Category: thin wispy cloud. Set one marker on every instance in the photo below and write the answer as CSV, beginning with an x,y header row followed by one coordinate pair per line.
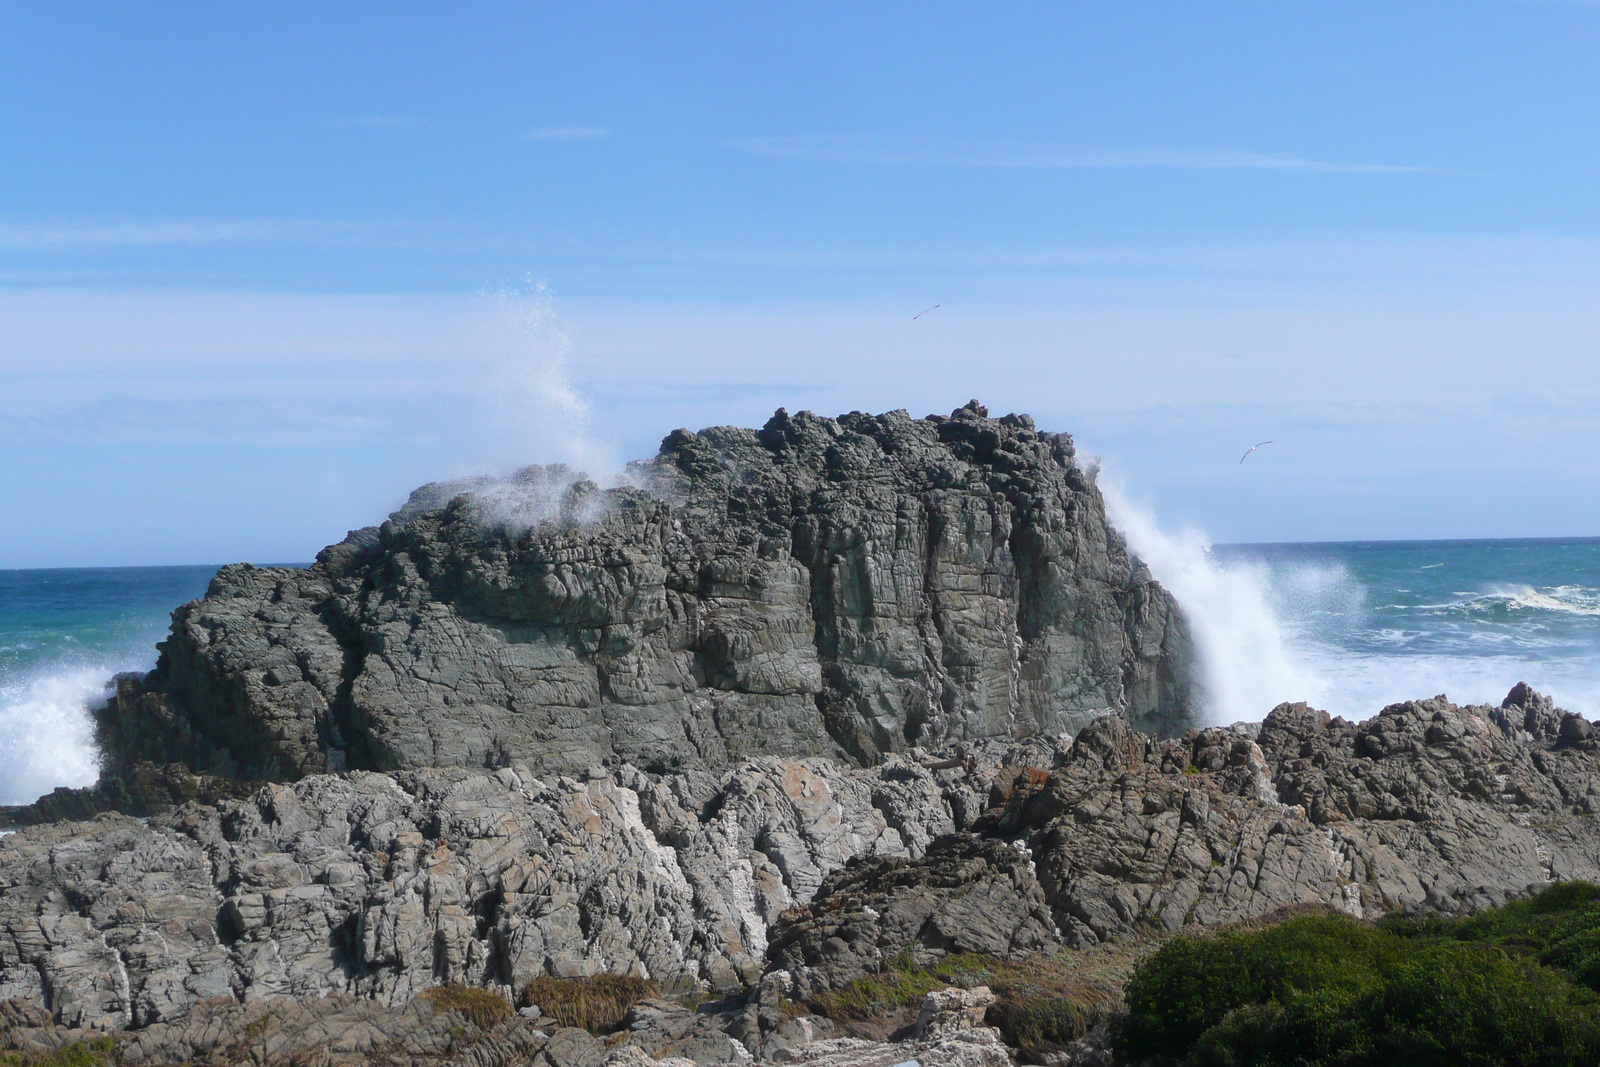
x,y
175,232
565,133
943,152
377,122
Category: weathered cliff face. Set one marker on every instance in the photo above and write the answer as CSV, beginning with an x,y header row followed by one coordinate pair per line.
x,y
381,885
844,587
1427,806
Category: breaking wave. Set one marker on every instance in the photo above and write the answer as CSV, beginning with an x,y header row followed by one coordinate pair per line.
x,y
1354,628
1503,599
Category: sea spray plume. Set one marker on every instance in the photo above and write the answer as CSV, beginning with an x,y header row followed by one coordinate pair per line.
x,y
535,495
524,407
1246,663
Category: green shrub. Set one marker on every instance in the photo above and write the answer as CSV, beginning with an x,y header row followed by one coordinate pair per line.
x,y
1564,897
97,1052
1192,984
598,1004
1505,987
1560,927
1578,954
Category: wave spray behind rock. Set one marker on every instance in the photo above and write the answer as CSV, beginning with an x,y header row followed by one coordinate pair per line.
x,y
524,421
1247,663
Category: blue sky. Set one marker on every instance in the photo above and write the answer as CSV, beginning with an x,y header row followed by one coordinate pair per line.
x,y
262,269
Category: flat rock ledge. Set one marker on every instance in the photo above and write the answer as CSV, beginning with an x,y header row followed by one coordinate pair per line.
x,y
343,897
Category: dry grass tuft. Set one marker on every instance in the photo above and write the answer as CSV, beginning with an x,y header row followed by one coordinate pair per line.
x,y
598,1004
479,1007
1044,1001
1033,779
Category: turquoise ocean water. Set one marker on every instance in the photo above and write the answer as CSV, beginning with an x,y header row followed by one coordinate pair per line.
x,y
1349,627
1364,624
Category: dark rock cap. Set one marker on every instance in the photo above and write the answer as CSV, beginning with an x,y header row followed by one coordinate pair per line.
x,y
851,586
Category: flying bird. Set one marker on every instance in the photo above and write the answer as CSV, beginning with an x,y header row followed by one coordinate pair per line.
x,y
924,311
1251,449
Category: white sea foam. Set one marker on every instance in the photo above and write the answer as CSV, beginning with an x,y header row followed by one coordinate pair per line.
x,y
1292,630
46,735
1564,599
1571,599
1289,630
1247,660
1359,686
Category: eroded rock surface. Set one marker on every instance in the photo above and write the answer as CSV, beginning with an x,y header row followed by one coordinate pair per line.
x,y
384,885
965,894
845,587
1427,805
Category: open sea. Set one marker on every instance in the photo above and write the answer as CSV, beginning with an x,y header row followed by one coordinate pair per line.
x,y
1349,627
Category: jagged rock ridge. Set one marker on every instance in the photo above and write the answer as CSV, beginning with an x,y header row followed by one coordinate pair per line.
x,y
381,885
851,586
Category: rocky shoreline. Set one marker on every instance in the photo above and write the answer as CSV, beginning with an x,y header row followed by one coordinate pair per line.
x,y
825,702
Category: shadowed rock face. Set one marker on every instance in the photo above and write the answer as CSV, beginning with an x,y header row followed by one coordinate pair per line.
x,y
851,586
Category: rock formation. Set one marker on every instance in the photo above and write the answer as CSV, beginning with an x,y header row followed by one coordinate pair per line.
x,y
383,885
843,587
812,701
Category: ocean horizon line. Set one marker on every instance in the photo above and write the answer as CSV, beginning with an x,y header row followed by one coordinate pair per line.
x,y
1384,542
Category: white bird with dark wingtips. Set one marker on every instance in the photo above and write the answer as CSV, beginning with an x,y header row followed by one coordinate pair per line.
x,y
1251,449
924,311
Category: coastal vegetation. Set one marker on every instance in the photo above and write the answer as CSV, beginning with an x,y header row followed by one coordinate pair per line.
x,y
1043,1002
480,1007
1517,985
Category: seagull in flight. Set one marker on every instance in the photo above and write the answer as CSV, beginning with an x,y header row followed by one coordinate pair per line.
x,y
1251,449
924,311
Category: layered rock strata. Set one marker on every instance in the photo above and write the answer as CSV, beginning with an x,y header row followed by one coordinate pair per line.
x,y
1427,806
841,587
382,885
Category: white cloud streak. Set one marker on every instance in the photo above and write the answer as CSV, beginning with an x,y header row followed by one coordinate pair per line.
x,y
176,232
942,152
1414,407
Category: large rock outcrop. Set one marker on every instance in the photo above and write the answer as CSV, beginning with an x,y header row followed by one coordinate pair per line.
x,y
382,885
1427,807
851,586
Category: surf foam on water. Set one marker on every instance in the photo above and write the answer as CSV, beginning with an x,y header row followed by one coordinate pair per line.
x,y
46,732
1570,599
